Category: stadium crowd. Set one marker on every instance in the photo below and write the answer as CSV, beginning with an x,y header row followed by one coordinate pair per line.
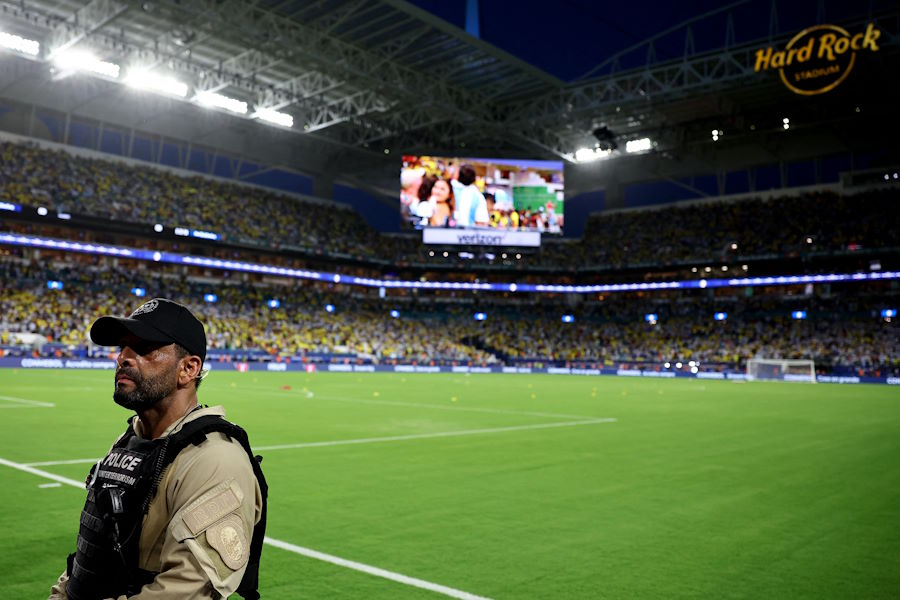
x,y
36,176
701,233
843,330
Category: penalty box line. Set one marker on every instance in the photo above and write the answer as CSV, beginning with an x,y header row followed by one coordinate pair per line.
x,y
300,550
375,440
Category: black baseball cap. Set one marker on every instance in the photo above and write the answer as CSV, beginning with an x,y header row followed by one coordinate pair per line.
x,y
157,320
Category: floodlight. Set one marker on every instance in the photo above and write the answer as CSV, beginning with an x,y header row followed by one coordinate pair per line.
x,y
638,145
154,82
273,303
568,318
480,316
395,314
329,308
798,314
158,228
210,298
273,116
54,285
651,318
19,44
583,155
224,102
82,60
720,316
139,292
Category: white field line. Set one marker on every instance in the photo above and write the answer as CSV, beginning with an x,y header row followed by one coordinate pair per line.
x,y
54,484
377,572
372,440
308,552
495,411
23,403
437,434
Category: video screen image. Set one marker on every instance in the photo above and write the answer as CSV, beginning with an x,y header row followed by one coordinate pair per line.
x,y
502,193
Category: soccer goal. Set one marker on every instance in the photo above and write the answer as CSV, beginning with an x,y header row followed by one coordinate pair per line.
x,y
781,369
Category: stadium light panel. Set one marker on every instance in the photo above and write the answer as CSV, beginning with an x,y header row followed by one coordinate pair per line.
x,y
153,82
888,313
212,99
798,314
568,318
480,316
639,145
395,314
720,316
84,61
273,303
329,308
16,43
139,292
273,116
54,285
584,155
210,298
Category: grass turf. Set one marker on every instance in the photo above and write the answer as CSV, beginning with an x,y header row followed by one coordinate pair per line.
x,y
699,489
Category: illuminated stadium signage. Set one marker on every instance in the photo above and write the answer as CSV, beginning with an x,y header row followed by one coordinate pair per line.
x,y
481,237
10,207
30,241
818,58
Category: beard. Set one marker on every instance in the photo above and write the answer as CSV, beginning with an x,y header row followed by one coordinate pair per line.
x,y
147,392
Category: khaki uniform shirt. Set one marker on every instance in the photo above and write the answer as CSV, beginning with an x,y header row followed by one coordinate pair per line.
x,y
198,527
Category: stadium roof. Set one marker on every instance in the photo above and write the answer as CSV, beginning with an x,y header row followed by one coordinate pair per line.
x,y
375,77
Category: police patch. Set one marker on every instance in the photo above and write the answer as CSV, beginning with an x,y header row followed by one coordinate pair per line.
x,y
211,510
228,539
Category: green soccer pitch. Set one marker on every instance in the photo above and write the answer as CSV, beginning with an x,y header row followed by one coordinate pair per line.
x,y
506,486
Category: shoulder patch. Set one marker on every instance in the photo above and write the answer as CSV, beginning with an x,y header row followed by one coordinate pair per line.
x,y
199,518
228,538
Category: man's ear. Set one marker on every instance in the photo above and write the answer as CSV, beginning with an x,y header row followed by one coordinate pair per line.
x,y
190,370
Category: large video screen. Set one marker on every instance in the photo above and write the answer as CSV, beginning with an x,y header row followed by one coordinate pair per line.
x,y
482,193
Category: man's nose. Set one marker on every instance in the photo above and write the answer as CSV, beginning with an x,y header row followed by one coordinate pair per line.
x,y
126,354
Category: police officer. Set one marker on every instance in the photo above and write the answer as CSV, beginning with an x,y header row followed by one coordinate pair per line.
x,y
177,507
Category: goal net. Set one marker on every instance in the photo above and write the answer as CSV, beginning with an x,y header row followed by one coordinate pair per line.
x,y
780,369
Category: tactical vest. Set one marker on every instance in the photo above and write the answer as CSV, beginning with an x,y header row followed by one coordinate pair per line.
x,y
120,488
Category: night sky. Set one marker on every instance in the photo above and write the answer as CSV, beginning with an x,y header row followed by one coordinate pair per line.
x,y
568,38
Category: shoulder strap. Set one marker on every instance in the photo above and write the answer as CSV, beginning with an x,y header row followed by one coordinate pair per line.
x,y
195,432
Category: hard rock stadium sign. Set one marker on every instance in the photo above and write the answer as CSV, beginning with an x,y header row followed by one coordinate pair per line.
x,y
817,59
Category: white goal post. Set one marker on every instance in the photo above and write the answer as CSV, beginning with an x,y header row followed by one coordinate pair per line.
x,y
781,369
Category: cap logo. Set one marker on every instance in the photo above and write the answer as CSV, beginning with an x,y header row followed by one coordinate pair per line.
x,y
145,308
